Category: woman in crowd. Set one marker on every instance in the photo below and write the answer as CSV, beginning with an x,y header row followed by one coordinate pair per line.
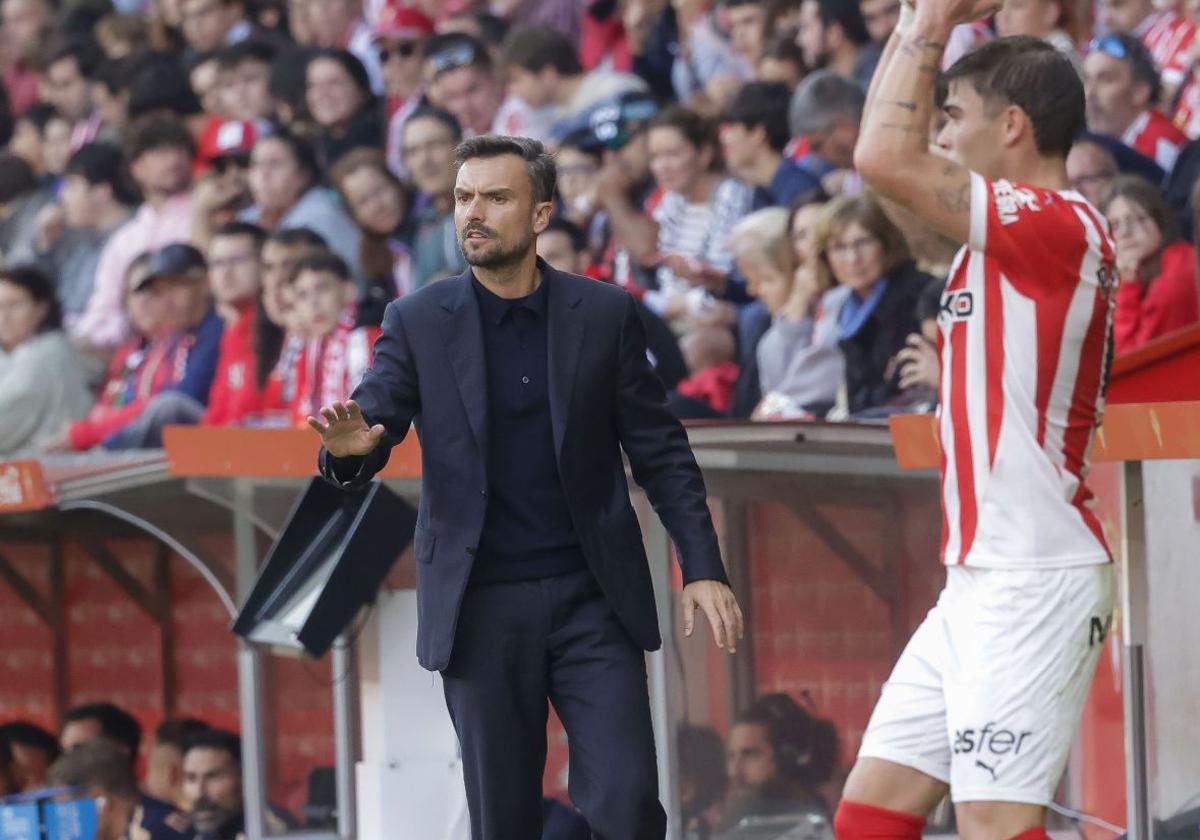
x,y
339,99
379,203
284,180
42,384
1157,271
699,206
861,249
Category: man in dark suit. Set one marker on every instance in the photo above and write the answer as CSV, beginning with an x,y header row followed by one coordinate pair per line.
x,y
524,384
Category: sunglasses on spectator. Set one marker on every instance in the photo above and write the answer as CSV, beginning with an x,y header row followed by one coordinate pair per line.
x,y
452,58
402,49
1110,45
224,163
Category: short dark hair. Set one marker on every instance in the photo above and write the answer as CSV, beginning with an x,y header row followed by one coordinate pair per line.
x,y
783,47
97,764
538,162
323,261
238,228
1033,75
216,739
847,15
561,224
441,115
158,131
83,49
178,732
805,746
24,733
16,177
251,49
39,115
115,74
116,723
538,46
102,163
301,151
158,82
38,286
763,104
289,237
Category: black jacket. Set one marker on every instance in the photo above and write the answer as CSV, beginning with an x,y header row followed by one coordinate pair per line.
x,y
604,398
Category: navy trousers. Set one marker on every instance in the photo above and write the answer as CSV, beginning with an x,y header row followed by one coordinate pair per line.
x,y
520,646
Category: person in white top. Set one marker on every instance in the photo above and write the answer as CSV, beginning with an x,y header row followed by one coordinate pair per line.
x,y
986,697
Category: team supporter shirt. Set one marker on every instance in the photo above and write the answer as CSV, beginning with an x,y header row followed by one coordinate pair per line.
x,y
1024,334
235,394
1168,36
1156,137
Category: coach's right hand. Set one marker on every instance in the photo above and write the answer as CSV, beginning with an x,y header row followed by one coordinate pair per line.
x,y
344,432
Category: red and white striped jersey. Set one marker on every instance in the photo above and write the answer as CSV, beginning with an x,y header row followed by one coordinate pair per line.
x,y
1168,36
1024,339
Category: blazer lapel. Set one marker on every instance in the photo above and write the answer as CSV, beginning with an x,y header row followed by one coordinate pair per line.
x,y
463,333
564,338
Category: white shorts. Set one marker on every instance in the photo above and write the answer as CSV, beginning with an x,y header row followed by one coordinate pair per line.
x,y
987,695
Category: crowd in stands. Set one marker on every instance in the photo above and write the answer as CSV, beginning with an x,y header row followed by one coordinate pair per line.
x,y
206,205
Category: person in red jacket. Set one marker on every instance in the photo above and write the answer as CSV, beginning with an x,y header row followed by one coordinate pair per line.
x,y
1157,292
233,274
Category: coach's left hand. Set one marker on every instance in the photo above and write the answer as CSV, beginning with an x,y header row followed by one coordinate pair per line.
x,y
718,603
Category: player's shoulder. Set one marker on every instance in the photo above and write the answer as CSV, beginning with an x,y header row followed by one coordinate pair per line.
x,y
1018,201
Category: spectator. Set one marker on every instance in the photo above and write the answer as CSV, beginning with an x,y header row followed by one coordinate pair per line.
x,y
122,35
544,71
706,71
698,208
833,36
212,783
211,24
430,136
33,751
204,77
21,199
104,772
284,180
94,202
711,358
164,769
336,353
462,80
1122,87
578,160
747,24
159,86
110,92
246,68
341,103
68,63
1166,34
23,28
1095,161
702,777
29,135
861,248
778,756
379,203
159,153
33,406
223,167
800,366
233,276
781,61
754,134
1045,19
178,273
340,24
399,33
826,111
95,721
881,17
1157,271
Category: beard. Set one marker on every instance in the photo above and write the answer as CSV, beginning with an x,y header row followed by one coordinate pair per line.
x,y
493,252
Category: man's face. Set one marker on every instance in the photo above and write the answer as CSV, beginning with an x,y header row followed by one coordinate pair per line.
x,y
1027,17
810,36
319,298
972,134
31,767
212,785
534,89
554,246
78,202
1113,100
399,64
67,89
166,170
1091,170
164,773
78,732
747,24
634,156
428,148
275,179
740,145
329,21
247,93
470,95
23,22
232,269
881,17
186,299
750,758
209,85
146,307
495,214
1124,15
206,22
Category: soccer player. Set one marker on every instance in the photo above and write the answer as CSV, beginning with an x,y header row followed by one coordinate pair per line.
x,y
986,697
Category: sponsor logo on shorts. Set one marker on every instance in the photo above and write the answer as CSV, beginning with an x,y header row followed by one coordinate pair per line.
x,y
1098,630
991,740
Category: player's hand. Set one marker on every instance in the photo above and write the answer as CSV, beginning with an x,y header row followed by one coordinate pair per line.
x,y
344,432
718,603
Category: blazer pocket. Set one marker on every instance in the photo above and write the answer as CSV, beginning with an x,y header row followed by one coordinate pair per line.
x,y
424,541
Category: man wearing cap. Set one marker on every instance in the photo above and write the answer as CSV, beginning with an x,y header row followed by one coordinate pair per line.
x,y
222,161
179,274
398,37
462,80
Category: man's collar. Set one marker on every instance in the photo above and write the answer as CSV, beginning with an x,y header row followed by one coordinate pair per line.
x,y
494,308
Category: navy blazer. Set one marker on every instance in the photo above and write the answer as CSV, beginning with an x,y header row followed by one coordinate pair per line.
x,y
429,371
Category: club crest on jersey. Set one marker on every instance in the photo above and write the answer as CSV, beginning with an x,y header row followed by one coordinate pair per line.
x,y
1010,201
956,306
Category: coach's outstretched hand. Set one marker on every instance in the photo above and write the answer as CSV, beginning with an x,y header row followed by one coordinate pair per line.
x,y
717,601
344,430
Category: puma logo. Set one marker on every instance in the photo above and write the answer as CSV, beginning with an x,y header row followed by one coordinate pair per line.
x,y
991,770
